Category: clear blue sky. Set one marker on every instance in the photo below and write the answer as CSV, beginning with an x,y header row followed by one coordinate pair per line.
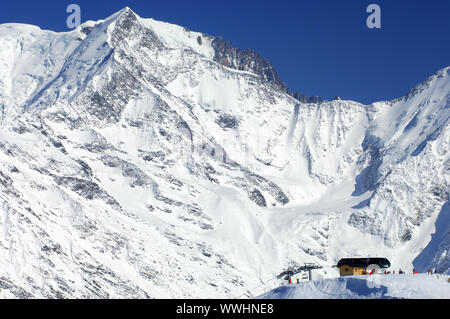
x,y
319,47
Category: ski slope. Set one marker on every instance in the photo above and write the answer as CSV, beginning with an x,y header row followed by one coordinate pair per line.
x,y
380,286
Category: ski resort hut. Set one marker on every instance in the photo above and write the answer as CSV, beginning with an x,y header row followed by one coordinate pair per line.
x,y
358,266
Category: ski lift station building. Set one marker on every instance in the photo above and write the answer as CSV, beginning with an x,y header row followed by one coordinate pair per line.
x,y
359,266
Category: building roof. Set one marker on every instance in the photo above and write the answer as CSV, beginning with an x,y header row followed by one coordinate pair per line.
x,y
364,262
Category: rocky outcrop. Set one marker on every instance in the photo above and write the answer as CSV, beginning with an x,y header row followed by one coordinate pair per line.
x,y
249,60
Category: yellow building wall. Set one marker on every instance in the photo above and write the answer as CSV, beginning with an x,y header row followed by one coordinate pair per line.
x,y
346,270
359,271
350,271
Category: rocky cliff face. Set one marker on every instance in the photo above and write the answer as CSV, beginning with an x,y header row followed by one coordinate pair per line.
x,y
135,164
249,60
246,60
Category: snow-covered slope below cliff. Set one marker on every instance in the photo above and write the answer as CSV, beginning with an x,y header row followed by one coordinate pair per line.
x,y
132,164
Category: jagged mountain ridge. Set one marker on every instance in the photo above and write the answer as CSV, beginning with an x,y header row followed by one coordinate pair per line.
x,y
250,60
135,165
223,52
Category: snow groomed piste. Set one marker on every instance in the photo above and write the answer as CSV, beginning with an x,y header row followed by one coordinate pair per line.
x,y
379,286
360,278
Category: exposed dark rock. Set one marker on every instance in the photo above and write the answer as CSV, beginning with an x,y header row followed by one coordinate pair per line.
x,y
406,236
18,292
86,189
249,60
305,99
246,60
86,169
258,198
87,30
227,121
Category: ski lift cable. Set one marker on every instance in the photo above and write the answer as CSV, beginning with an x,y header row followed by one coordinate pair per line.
x,y
276,277
250,290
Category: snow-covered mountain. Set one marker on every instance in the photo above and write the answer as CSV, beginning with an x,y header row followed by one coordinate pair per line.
x,y
140,159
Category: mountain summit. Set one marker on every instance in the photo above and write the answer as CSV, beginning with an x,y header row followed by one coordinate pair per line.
x,y
140,159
